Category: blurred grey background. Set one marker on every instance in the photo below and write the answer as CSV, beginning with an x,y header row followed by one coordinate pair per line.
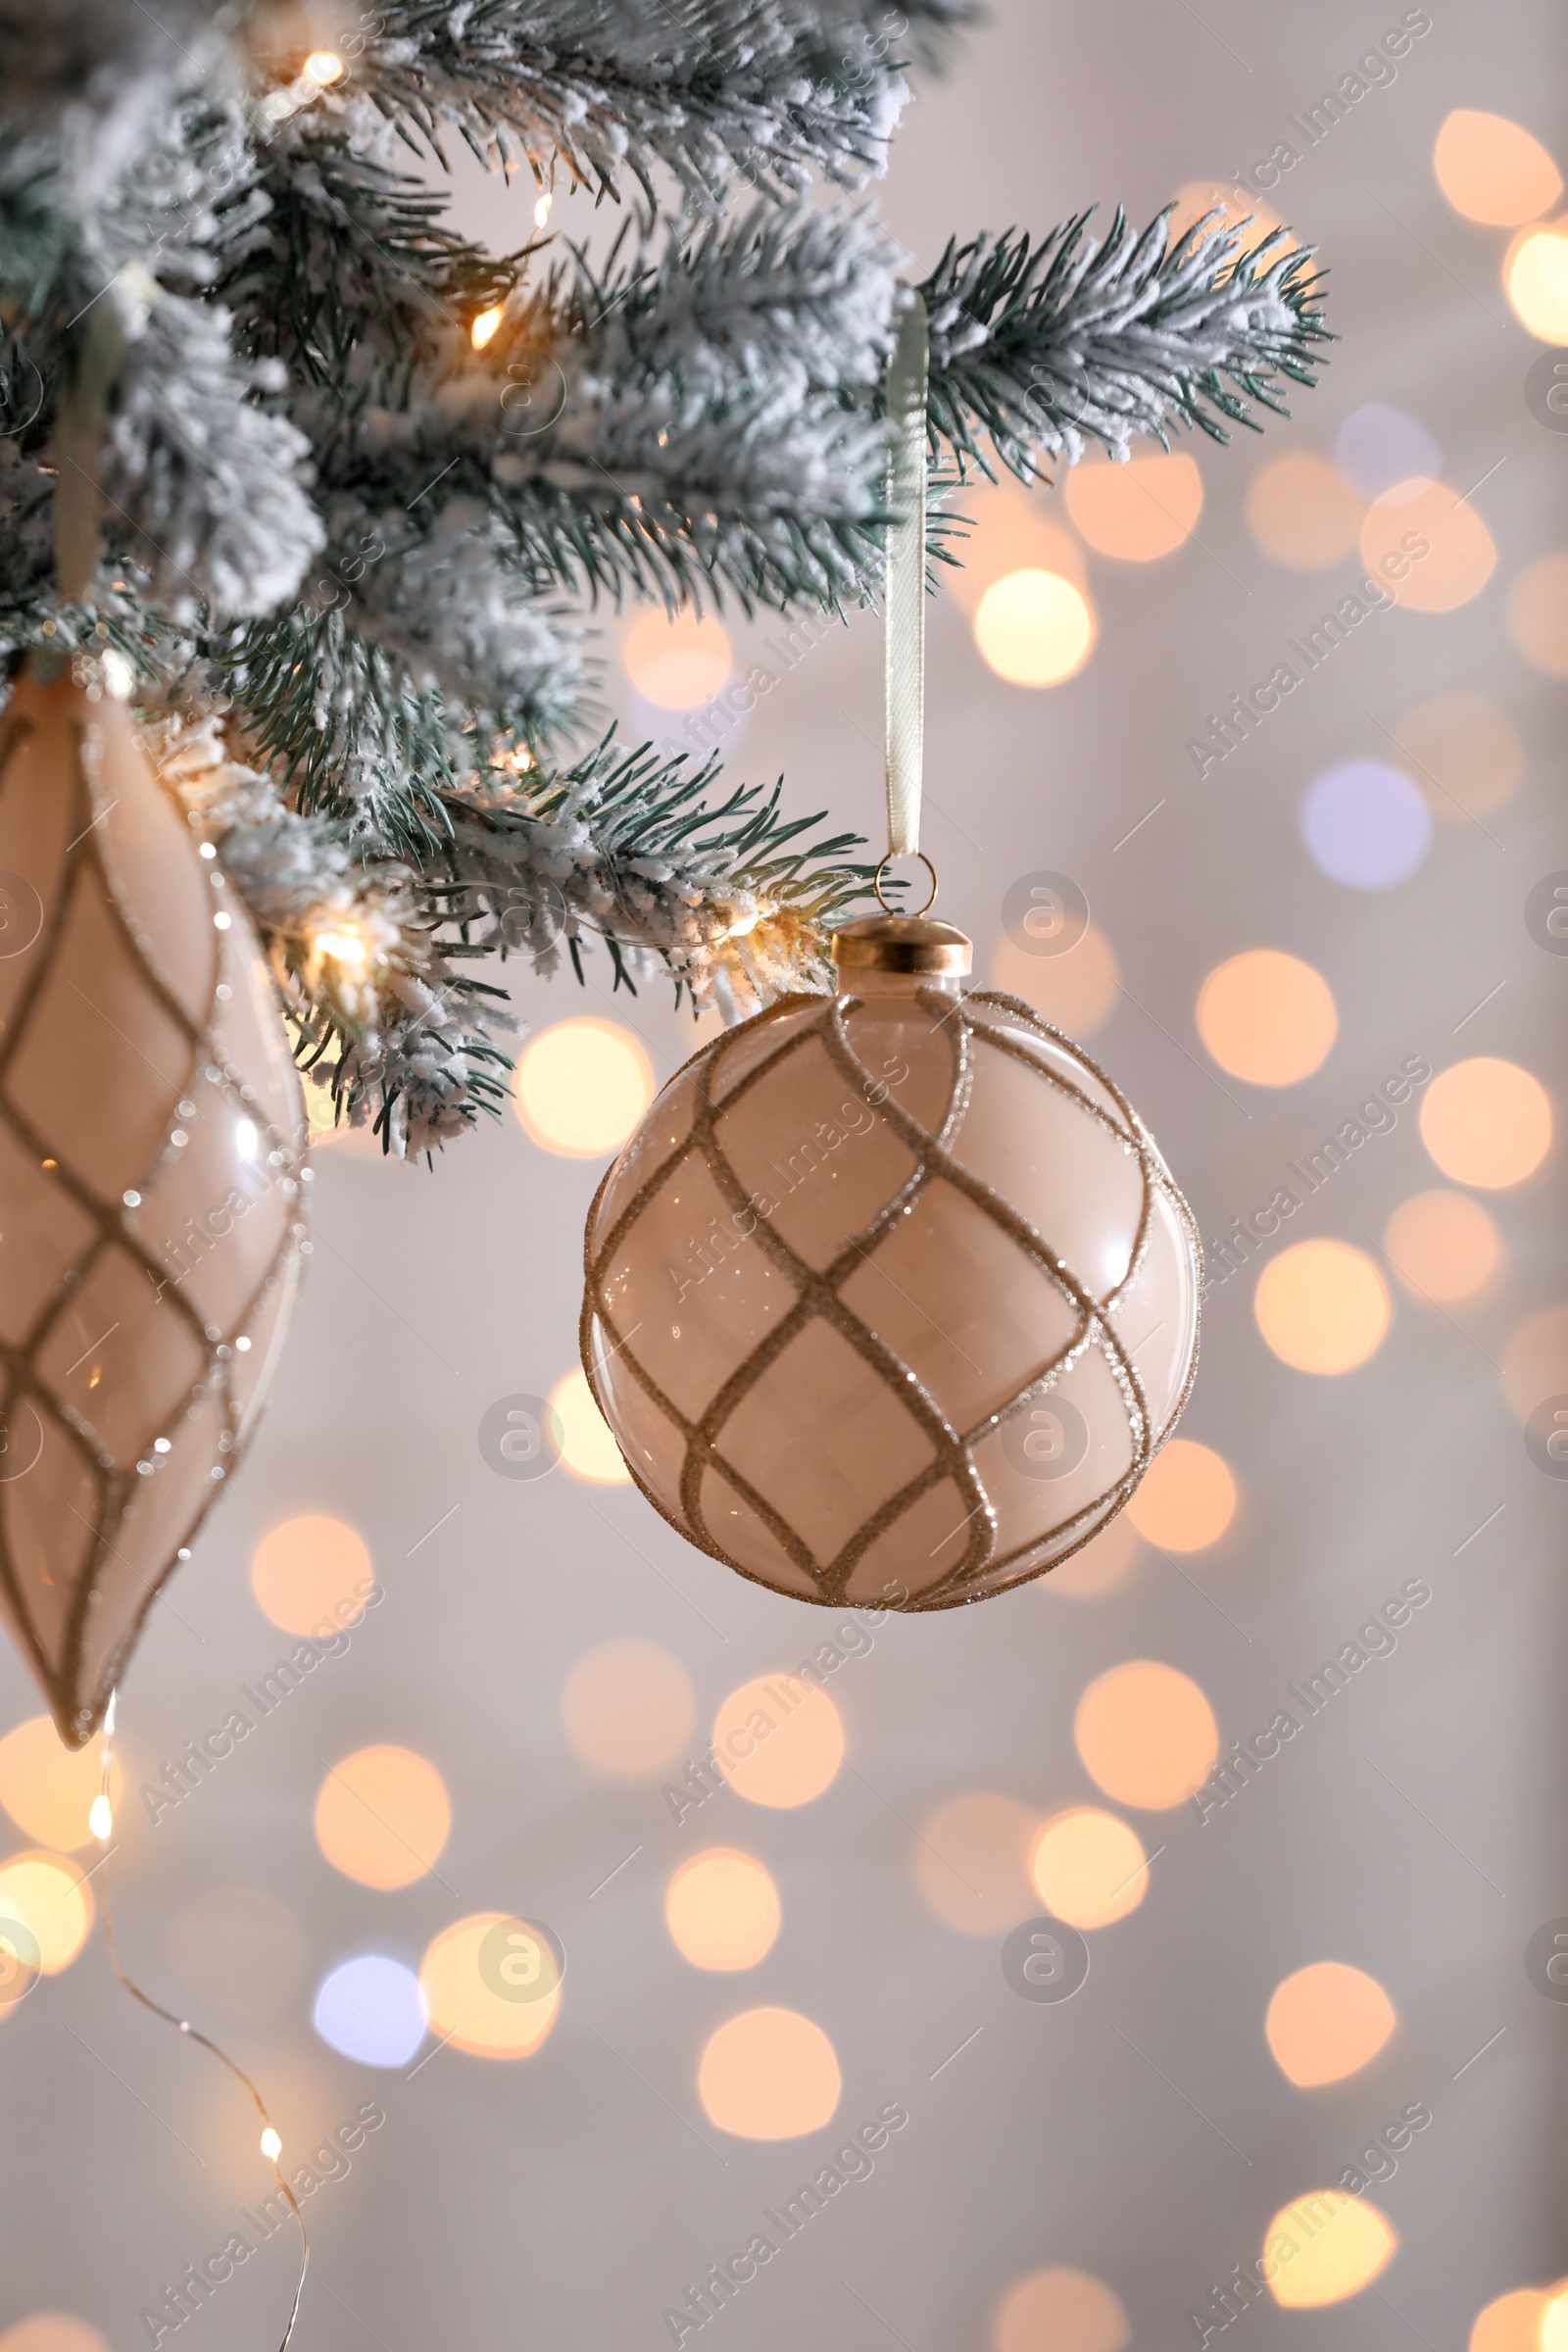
x,y
1140,2134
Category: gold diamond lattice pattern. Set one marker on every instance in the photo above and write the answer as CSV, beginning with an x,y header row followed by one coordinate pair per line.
x,y
151,1146
891,1297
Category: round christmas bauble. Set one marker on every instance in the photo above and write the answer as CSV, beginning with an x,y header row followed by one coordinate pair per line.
x,y
891,1298
151,1137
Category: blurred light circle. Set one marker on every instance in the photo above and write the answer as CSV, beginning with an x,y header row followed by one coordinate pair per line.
x,y
1008,533
1059,2311
52,2331
371,2010
1538,613
47,1788
1322,1306
1077,992
1138,511
238,1949
1552,2325
1187,1500
1463,752
1366,825
49,1895
1089,1867
1339,2245
1267,1017
628,1708
382,1816
779,1742
1492,170
1460,554
1301,511
581,1086
1146,1735
587,1446
312,1575
1380,449
1512,2323
1536,280
1103,1566
769,2073
1487,1123
678,663
1326,2022
971,1862
723,1910
468,2005
1195,199
1034,629
1443,1245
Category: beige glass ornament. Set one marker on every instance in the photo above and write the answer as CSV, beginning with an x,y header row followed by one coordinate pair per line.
x,y
151,1141
891,1297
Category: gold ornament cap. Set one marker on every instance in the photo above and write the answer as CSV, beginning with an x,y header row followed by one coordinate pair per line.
x,y
902,942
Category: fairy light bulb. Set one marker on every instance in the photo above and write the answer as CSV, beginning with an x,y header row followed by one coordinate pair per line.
x,y
344,946
101,1818
484,327
324,67
272,2145
541,211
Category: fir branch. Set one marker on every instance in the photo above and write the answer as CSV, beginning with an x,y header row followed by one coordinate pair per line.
x,y
1072,340
777,89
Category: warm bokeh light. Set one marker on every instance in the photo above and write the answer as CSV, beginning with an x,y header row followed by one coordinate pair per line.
x,y
1461,555
1487,1123
1443,1245
324,67
1103,1565
769,2073
484,326
1322,1306
1326,2022
1138,510
1059,2311
48,1895
1538,613
1267,1017
1492,170
1187,1500
780,1741
587,1443
371,2010
1534,1360
52,2331
1510,2324
1463,752
1552,2325
1077,992
382,1816
1341,2244
312,1575
1302,513
581,1086
48,1789
971,1862
1089,1867
1008,532
679,662
628,1708
1034,629
1146,1735
472,2004
1534,277
723,1910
